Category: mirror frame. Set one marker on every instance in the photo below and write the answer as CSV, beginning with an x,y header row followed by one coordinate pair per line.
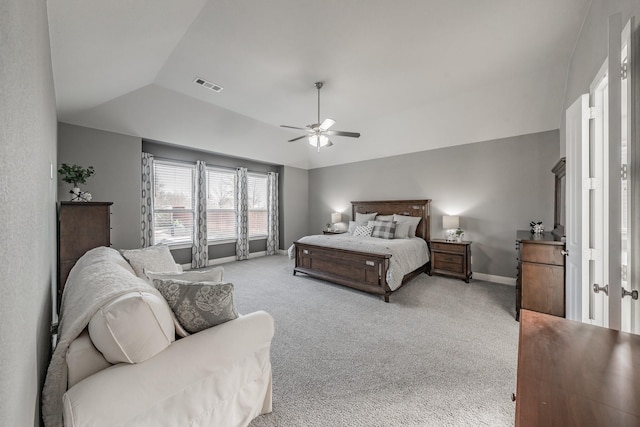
x,y
559,205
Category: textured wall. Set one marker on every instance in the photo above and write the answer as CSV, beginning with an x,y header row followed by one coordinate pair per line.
x,y
27,207
116,160
496,187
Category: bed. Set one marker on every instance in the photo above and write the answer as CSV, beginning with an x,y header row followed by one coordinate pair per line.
x,y
362,270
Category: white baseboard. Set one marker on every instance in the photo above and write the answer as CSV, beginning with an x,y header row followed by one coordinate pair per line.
x,y
511,281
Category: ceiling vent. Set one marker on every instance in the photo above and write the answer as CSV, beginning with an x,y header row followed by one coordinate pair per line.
x,y
207,84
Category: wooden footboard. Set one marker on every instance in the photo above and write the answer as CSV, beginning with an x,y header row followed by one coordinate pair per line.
x,y
359,270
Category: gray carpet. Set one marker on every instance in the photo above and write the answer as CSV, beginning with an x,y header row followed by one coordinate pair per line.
x,y
441,353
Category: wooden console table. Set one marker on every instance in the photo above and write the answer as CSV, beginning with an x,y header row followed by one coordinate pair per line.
x,y
574,374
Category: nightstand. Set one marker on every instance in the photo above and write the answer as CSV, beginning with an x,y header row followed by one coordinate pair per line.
x,y
332,232
451,259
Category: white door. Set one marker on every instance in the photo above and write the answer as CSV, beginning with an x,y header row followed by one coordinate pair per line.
x,y
577,201
629,201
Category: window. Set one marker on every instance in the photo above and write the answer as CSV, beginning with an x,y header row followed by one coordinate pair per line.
x,y
221,204
174,200
257,189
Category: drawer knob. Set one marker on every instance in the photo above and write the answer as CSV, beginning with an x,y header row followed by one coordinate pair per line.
x,y
564,252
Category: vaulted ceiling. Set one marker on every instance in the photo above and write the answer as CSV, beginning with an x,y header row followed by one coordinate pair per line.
x,y
410,75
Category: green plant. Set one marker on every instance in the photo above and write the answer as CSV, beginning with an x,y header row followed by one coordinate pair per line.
x,y
75,174
459,232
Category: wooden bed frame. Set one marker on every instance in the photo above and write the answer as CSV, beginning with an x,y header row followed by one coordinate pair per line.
x,y
361,270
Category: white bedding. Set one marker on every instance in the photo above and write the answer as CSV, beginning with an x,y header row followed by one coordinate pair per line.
x,y
406,254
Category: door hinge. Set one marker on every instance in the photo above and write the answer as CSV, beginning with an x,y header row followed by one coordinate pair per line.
x,y
591,183
624,172
591,113
623,273
590,254
624,69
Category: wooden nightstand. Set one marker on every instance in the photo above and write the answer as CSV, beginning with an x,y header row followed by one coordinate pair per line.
x,y
332,232
451,259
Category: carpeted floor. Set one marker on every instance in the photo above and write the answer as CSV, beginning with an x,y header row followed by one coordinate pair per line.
x,y
441,353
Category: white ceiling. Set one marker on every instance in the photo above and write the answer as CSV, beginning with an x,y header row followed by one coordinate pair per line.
x,y
410,75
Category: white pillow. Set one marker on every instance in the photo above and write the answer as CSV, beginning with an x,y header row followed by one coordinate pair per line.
x,y
402,230
132,328
384,218
83,359
154,258
353,225
363,231
214,274
412,220
360,217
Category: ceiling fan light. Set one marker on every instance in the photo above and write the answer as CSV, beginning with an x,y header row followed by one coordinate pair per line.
x,y
318,140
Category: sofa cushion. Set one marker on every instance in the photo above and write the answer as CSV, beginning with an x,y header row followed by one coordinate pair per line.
x,y
132,328
83,359
154,258
198,305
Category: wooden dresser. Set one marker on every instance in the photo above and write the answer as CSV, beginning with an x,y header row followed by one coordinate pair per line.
x,y
540,279
571,374
451,259
81,226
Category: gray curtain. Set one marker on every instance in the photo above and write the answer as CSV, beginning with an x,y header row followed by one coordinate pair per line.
x,y
273,232
146,205
200,249
242,215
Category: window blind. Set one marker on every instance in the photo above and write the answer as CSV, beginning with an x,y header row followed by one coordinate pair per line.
x,y
174,202
257,191
221,204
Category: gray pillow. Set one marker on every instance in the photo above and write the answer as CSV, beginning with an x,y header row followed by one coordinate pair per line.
x,y
198,305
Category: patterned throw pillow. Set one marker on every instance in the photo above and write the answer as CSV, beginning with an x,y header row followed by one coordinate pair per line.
x,y
384,229
198,305
363,231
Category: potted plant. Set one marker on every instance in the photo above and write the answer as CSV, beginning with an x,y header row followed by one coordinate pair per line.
x,y
459,234
75,175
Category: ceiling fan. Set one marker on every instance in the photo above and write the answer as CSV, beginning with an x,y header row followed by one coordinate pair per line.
x,y
319,133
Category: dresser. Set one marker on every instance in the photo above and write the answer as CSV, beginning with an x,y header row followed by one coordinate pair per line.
x,y
571,374
81,226
451,259
540,278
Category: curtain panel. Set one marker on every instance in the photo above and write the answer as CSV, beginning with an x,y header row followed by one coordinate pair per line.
x,y
242,214
200,249
273,232
146,202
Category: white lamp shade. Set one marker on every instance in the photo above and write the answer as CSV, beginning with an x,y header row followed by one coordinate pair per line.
x,y
450,221
336,217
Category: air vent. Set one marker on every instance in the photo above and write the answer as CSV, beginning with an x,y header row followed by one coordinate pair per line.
x,y
207,84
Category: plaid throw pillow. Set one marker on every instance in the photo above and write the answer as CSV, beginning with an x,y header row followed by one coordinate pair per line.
x,y
384,229
363,231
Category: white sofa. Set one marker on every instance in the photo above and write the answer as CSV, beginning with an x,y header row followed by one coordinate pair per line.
x,y
220,376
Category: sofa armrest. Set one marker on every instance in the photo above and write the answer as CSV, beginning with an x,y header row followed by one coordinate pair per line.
x,y
219,376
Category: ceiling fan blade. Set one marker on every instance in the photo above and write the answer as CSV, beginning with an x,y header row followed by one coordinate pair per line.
x,y
342,133
293,127
300,137
326,124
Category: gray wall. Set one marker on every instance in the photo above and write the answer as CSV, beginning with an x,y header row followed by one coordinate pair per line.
x,y
496,187
27,207
294,210
116,160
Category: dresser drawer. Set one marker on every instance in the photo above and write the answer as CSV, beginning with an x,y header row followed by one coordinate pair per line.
x,y
448,247
543,254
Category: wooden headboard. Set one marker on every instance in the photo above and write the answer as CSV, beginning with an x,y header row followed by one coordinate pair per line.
x,y
401,207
